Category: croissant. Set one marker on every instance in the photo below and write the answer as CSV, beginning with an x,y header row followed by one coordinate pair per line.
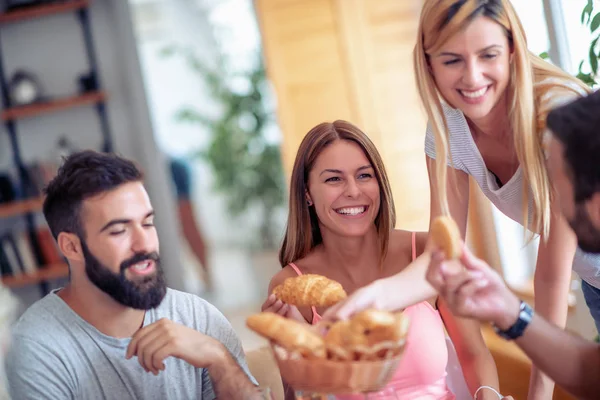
x,y
446,235
310,290
289,334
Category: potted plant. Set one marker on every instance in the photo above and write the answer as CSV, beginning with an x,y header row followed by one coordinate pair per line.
x,y
246,165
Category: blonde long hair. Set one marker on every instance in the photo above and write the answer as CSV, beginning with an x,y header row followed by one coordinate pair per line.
x,y
302,232
531,78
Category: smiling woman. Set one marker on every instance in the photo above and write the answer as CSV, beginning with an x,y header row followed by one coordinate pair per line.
x,y
486,97
363,169
341,225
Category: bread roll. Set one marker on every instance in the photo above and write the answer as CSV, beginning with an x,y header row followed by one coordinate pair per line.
x,y
446,235
310,290
292,335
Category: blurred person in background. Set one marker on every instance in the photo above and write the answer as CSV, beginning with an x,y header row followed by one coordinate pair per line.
x,y
182,178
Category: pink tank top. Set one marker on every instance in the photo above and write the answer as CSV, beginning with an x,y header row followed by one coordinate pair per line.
x,y
422,370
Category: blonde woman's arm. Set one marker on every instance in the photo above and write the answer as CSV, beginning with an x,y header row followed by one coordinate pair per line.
x,y
476,361
551,286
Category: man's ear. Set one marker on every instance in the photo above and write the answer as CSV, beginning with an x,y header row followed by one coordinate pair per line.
x,y
592,206
70,246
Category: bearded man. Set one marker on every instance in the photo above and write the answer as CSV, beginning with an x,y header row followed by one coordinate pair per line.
x,y
115,331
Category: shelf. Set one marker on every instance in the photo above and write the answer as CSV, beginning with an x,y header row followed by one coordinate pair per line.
x,y
31,110
41,11
20,207
48,272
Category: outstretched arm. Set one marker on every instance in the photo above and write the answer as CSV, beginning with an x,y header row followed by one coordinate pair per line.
x,y
476,361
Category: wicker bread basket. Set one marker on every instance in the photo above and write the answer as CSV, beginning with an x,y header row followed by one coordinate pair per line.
x,y
336,377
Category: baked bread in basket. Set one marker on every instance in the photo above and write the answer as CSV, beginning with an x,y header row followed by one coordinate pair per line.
x,y
353,356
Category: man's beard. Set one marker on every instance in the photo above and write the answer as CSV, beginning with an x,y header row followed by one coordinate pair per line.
x,y
588,236
143,294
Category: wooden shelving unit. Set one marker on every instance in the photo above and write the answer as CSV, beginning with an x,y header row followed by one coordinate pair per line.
x,y
9,116
20,207
42,11
45,273
32,110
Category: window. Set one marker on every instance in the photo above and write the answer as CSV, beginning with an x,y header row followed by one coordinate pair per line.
x,y
578,35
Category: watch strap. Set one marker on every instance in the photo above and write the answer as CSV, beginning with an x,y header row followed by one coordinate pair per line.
x,y
517,329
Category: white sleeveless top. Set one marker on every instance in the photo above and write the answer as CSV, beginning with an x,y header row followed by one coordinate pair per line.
x,y
508,198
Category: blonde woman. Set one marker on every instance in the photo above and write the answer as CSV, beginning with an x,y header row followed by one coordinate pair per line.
x,y
341,225
486,98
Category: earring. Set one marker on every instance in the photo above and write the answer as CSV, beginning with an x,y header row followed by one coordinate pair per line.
x,y
309,203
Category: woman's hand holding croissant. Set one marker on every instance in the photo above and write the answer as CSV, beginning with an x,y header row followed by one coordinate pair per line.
x,y
274,305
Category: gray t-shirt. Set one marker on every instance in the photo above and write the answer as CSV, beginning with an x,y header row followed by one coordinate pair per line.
x,y
55,354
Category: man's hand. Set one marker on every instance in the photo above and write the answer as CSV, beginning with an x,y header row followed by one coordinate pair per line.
x,y
165,338
475,291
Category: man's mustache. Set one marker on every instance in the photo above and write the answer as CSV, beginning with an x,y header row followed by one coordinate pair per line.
x,y
139,257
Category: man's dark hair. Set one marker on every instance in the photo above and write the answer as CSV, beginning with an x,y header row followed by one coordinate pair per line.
x,y
577,126
83,174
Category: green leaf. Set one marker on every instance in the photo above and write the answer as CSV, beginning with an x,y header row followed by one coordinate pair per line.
x,y
247,168
593,61
544,55
593,45
587,10
587,79
595,23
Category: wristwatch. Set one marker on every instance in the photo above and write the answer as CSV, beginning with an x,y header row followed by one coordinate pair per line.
x,y
517,329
